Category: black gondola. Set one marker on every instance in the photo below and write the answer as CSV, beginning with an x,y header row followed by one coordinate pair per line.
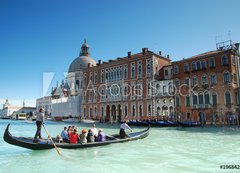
x,y
47,144
189,124
172,123
156,123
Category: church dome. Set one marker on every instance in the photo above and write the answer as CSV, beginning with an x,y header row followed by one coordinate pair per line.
x,y
83,60
81,63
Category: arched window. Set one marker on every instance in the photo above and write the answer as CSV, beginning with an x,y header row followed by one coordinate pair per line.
x,y
194,81
133,70
187,81
204,79
140,68
228,100
102,111
200,99
214,100
186,67
194,66
226,77
125,72
126,111
149,89
213,79
158,111
140,110
212,63
198,65
148,66
133,110
149,110
177,83
224,60
204,64
125,91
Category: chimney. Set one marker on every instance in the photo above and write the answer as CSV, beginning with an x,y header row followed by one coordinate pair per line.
x,y
144,50
168,56
129,54
99,61
160,53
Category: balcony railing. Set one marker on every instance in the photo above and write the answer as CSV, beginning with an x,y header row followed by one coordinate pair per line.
x,y
201,106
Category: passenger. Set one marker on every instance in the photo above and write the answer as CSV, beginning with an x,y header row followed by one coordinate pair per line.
x,y
101,136
59,139
83,136
95,131
90,136
123,127
64,135
73,137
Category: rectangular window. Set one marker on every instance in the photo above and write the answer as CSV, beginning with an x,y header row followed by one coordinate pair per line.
x,y
187,101
200,99
207,99
194,99
177,101
140,69
214,100
148,67
166,72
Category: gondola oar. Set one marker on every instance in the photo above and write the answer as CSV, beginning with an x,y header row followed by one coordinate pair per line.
x,y
58,151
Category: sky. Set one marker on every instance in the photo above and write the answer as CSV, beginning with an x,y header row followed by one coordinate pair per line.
x,y
41,36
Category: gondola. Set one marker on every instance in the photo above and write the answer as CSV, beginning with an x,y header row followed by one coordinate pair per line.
x,y
172,123
142,123
156,123
133,123
189,124
47,144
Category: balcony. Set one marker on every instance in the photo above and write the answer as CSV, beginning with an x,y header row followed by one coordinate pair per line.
x,y
202,106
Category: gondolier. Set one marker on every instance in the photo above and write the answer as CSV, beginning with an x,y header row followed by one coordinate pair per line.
x,y
39,122
123,127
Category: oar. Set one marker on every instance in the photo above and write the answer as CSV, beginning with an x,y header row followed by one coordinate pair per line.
x,y
58,151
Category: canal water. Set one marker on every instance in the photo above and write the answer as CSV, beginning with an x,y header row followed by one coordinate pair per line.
x,y
164,150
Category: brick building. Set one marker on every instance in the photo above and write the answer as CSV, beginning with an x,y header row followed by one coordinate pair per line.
x,y
207,86
122,88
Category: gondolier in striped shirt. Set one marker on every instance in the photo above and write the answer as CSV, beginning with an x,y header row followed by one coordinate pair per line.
x,y
39,122
123,127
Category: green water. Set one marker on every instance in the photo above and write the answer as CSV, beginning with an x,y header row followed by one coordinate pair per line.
x,y
164,150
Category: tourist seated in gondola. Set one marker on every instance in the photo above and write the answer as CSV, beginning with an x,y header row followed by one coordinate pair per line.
x,y
90,136
101,136
64,135
123,127
73,137
83,136
95,131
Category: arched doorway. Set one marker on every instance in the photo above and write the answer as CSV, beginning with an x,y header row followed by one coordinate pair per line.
x,y
165,110
114,116
119,113
107,119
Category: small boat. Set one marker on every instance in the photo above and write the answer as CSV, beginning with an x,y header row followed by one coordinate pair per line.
x,y
189,124
71,120
47,144
89,121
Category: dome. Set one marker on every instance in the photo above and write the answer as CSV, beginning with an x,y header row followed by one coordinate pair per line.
x,y
83,60
80,63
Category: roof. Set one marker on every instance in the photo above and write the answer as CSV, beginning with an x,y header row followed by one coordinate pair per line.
x,y
202,55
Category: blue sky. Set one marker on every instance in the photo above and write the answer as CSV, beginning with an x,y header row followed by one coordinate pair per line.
x,y
38,36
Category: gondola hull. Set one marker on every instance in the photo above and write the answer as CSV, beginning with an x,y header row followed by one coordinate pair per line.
x,y
189,124
47,144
